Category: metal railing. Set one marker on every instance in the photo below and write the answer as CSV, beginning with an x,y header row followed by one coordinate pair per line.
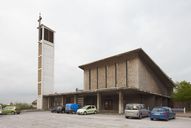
x,y
179,110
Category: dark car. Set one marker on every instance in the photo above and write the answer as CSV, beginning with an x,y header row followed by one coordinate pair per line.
x,y
58,109
162,113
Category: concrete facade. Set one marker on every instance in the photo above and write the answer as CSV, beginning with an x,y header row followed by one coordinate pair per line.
x,y
45,65
113,82
132,73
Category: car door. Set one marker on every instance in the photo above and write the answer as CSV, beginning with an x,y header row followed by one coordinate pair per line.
x,y
143,110
93,109
88,110
171,114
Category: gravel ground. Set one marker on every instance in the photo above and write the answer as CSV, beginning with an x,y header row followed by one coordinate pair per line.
x,y
53,120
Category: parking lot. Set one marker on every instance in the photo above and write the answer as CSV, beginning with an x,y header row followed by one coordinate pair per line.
x,y
53,120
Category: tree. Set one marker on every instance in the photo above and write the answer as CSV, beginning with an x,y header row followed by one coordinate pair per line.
x,y
182,92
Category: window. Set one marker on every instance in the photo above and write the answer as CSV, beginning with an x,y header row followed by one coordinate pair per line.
x,y
48,35
89,107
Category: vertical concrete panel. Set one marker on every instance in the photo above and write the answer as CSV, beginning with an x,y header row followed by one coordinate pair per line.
x,y
47,67
93,78
101,77
133,73
121,74
111,76
149,81
86,79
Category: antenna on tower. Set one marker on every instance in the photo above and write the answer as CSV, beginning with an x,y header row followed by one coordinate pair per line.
x,y
39,20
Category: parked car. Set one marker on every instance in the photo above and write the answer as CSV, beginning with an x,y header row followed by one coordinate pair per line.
x,y
58,109
162,113
136,110
11,110
88,109
0,109
71,108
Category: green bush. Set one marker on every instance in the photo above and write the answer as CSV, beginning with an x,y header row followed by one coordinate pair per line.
x,y
23,106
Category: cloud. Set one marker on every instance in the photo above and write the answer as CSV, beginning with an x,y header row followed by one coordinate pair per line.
x,y
87,31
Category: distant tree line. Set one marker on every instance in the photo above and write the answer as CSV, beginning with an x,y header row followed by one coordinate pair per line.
x,y
21,106
182,93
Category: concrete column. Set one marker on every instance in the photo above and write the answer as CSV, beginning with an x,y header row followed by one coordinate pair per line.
x,y
48,102
75,99
61,100
121,102
98,101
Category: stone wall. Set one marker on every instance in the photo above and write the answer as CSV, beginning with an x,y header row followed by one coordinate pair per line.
x,y
86,79
148,81
101,77
122,73
132,73
111,75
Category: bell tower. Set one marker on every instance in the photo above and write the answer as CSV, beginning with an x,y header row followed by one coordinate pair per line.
x,y
45,62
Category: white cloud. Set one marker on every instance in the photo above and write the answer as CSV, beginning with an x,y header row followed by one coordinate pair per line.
x,y
87,31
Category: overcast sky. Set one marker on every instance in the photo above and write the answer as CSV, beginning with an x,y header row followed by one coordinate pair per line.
x,y
88,30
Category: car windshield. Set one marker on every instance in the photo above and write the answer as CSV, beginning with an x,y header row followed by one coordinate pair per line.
x,y
133,107
85,107
158,110
9,107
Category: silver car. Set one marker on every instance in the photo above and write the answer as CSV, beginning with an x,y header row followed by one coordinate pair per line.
x,y
136,110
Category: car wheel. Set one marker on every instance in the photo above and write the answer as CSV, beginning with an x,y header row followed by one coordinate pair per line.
x,y
85,113
151,118
13,113
167,119
95,112
140,116
126,117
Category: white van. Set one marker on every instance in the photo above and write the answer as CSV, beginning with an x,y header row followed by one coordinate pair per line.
x,y
0,109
